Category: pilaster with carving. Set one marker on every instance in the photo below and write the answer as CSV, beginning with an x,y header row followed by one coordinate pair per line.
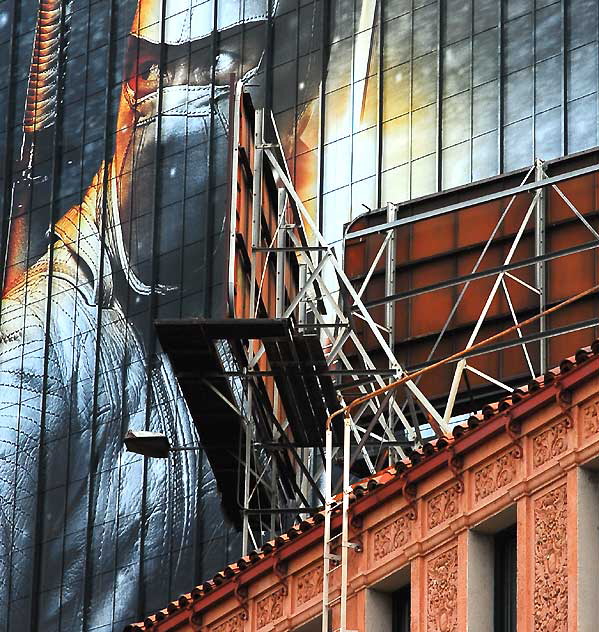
x,y
551,561
442,592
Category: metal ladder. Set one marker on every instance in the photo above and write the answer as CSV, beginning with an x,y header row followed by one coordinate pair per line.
x,y
346,545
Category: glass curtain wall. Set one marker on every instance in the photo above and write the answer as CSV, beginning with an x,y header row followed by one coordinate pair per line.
x,y
114,134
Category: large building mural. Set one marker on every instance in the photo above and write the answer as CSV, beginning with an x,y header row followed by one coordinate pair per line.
x,y
114,121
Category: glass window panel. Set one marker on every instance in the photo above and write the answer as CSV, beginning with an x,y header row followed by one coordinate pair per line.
x,y
486,14
515,8
363,194
335,212
395,184
582,123
485,102
284,45
582,22
284,84
337,164
456,165
396,41
518,43
457,20
517,145
310,36
342,18
396,91
456,68
424,176
548,134
456,119
548,83
364,154
308,83
339,66
518,95
337,123
424,82
582,71
425,30
366,103
486,58
364,64
548,36
485,156
393,8
424,131
396,142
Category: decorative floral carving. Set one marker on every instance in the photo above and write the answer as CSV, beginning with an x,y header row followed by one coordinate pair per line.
x,y
232,624
551,562
549,443
393,536
309,584
270,608
443,506
442,592
590,418
497,474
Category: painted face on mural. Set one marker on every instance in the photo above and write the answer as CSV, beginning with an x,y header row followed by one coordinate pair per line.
x,y
173,122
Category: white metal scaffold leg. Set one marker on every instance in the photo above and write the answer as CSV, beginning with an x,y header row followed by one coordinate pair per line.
x,y
341,561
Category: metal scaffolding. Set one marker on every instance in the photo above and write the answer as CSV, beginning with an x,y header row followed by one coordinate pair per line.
x,y
316,410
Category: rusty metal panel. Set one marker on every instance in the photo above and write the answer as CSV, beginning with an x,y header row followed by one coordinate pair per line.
x,y
447,247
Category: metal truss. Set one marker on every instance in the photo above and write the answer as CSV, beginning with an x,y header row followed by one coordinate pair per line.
x,y
388,411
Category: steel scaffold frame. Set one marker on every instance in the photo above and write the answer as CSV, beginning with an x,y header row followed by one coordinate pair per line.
x,y
327,303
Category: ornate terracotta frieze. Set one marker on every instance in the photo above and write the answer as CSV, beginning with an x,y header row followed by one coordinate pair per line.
x,y
550,443
551,562
270,608
497,474
443,506
309,584
393,536
232,624
590,418
442,592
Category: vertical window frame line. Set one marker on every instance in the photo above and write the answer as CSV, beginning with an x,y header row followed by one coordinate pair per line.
x,y
411,116
209,214
379,111
501,86
54,179
12,108
471,100
87,587
10,124
441,8
322,98
73,350
564,86
534,80
9,121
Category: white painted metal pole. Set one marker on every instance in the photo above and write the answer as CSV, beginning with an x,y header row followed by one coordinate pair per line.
x,y
345,524
328,484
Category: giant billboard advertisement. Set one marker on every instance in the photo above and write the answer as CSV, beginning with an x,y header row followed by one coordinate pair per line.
x,y
114,139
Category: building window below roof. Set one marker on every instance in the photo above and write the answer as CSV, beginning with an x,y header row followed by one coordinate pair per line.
x,y
401,610
505,580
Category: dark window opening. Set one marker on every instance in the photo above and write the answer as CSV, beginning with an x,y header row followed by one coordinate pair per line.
x,y
401,610
505,581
